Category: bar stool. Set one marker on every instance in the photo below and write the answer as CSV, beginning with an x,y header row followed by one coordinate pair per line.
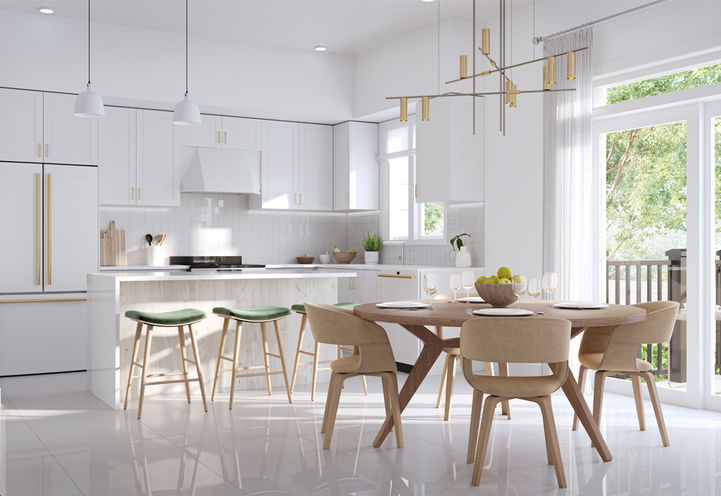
x,y
299,308
179,319
260,315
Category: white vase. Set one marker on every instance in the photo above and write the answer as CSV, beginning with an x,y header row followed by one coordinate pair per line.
x,y
463,257
371,257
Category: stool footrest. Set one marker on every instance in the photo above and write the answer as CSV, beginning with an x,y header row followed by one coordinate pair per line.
x,y
165,374
189,360
171,381
223,357
272,355
138,365
257,374
319,362
306,352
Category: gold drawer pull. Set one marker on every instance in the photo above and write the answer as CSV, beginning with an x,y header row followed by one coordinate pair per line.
x,y
396,276
38,229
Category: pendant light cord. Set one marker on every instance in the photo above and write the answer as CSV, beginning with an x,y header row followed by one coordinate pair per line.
x,y
88,42
186,47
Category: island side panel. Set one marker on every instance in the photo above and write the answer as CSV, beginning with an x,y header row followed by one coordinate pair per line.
x,y
103,351
161,296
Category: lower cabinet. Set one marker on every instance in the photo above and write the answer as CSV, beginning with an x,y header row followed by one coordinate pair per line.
x,y
399,285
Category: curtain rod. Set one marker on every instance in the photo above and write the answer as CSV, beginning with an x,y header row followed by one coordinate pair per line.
x,y
539,39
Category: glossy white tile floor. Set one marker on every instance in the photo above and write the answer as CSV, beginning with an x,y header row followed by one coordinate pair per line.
x,y
58,439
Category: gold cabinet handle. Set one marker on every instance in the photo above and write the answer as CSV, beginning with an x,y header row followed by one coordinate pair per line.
x,y
40,150
295,198
225,137
396,276
415,191
47,150
38,228
50,229
301,198
132,193
218,136
139,192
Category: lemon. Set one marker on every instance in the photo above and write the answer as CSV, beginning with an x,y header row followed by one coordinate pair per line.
x,y
336,250
504,273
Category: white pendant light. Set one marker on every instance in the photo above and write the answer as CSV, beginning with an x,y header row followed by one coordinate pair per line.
x,y
186,112
89,104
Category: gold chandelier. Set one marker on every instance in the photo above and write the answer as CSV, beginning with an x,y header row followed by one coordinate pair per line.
x,y
508,91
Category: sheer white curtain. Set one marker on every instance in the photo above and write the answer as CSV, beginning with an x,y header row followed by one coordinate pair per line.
x,y
570,211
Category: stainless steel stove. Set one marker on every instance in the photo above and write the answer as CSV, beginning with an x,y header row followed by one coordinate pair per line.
x,y
215,264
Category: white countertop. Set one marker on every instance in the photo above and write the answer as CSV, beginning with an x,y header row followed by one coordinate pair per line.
x,y
296,272
336,266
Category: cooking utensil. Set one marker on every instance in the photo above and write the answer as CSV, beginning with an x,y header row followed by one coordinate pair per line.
x,y
159,239
149,239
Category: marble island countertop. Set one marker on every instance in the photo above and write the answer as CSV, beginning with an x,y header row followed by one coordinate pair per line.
x,y
297,272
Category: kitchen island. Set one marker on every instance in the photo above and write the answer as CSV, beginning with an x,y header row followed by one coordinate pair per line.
x,y
111,294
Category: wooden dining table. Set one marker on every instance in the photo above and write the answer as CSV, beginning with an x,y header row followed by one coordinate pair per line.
x,y
453,314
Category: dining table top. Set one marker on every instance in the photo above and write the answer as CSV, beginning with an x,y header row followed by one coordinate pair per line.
x,y
453,314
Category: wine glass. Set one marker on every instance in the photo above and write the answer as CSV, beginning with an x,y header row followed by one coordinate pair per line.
x,y
467,281
550,283
534,288
518,286
430,285
455,285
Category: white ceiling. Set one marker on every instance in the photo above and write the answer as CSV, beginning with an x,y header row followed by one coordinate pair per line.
x,y
344,26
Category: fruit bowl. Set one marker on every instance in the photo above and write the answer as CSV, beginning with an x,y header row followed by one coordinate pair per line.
x,y
498,295
344,257
305,259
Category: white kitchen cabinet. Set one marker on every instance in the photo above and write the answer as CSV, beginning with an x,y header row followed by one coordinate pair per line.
x,y
394,285
280,166
315,184
355,166
117,156
240,133
68,139
359,289
449,158
208,134
71,220
21,198
21,126
155,170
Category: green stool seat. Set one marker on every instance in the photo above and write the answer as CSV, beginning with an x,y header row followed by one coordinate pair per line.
x,y
300,307
259,314
174,318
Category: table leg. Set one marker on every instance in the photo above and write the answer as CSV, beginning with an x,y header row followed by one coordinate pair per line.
x,y
431,351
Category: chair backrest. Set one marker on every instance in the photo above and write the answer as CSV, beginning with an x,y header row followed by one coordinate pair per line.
x,y
516,339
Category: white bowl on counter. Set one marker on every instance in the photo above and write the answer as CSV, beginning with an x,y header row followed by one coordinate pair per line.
x,y
325,258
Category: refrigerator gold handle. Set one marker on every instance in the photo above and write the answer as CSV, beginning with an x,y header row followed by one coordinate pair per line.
x,y
40,150
50,228
47,150
38,229
225,137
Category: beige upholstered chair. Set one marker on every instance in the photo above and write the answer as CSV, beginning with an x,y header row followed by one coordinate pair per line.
x,y
372,356
514,340
612,350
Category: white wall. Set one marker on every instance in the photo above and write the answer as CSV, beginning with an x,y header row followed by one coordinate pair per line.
x,y
141,65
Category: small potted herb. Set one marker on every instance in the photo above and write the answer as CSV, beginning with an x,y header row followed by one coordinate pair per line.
x,y
371,245
463,257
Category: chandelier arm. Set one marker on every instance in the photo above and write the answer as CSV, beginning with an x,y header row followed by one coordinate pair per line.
x,y
485,93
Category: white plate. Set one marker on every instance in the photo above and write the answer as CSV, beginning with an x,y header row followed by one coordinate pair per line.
x,y
400,305
580,306
471,299
503,312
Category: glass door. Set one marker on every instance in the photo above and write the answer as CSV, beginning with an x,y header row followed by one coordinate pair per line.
x,y
712,354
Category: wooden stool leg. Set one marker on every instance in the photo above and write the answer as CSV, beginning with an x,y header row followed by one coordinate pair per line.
x,y
236,350
653,392
486,422
476,407
636,382
297,351
220,354
196,357
315,371
549,426
265,357
505,405
282,359
449,386
146,363
442,386
183,358
581,380
133,359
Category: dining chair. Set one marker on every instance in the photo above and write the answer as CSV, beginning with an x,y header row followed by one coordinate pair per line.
x,y
514,340
372,355
612,350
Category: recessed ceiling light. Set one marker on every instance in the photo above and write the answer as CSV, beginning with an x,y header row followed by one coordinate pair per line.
x,y
320,48
45,10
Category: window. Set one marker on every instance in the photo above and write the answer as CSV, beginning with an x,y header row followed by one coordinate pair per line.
x,y
402,218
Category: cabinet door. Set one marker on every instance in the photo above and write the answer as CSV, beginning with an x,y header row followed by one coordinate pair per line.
x,y
315,186
71,226
21,126
117,156
185,138
68,139
280,163
400,285
341,166
431,159
240,134
21,224
156,184
363,174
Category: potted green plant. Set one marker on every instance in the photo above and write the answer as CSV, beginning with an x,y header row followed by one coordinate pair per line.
x,y
463,256
371,246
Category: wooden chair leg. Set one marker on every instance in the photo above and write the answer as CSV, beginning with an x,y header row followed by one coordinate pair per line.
x,y
598,384
133,359
485,431
266,360
196,358
549,427
236,352
449,385
636,382
581,380
476,407
315,371
146,362
653,392
223,334
332,407
328,401
303,320
183,360
505,405
442,386
282,359
392,384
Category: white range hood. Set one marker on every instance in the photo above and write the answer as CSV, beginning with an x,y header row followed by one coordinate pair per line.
x,y
215,170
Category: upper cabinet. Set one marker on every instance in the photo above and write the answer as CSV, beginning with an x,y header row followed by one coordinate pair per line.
x,y
220,132
449,158
355,166
315,184
155,171
117,156
41,127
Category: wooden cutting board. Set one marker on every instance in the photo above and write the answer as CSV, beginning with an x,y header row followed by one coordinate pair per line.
x,y
112,246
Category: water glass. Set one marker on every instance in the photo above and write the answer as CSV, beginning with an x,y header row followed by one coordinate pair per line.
x,y
534,288
455,285
468,280
550,283
430,285
519,285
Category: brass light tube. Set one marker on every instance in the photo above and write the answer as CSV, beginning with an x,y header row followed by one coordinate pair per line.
x,y
486,41
404,109
551,70
425,108
463,69
571,65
